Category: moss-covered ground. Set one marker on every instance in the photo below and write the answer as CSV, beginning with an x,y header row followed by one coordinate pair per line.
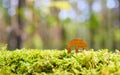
x,y
59,62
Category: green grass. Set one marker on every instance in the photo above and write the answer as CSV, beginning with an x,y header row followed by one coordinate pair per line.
x,y
58,62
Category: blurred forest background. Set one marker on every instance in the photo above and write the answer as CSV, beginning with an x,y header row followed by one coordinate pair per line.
x,y
50,24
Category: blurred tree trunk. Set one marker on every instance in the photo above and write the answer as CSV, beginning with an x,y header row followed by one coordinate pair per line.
x,y
104,27
116,25
15,35
56,31
21,4
92,28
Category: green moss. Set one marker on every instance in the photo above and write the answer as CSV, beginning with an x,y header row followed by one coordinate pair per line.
x,y
59,62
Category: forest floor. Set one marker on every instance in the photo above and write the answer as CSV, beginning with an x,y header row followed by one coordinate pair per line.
x,y
59,62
